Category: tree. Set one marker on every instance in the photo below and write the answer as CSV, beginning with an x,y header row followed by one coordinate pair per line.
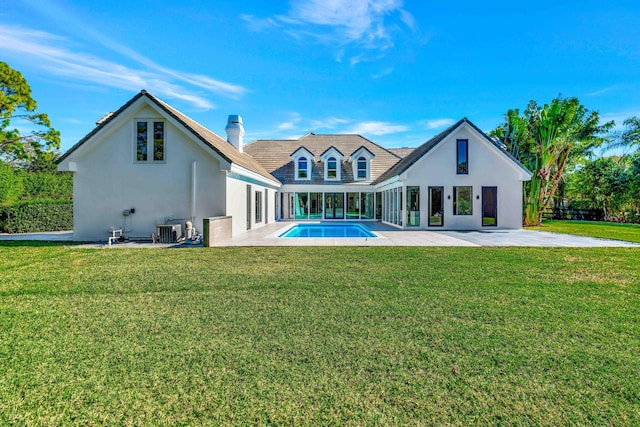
x,y
545,139
604,182
629,137
16,104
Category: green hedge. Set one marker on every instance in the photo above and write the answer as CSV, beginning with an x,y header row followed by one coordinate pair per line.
x,y
32,216
46,185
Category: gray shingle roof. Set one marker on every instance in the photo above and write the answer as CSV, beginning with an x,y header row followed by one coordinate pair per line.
x,y
210,139
275,156
401,152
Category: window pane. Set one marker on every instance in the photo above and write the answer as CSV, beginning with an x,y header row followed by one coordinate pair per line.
x,y
141,141
302,205
332,168
413,206
302,168
463,154
436,206
462,201
158,141
316,206
362,167
353,206
258,206
366,205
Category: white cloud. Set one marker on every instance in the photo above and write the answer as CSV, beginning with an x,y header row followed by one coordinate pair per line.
x,y
50,53
328,123
291,123
383,73
377,128
601,91
368,24
619,118
437,123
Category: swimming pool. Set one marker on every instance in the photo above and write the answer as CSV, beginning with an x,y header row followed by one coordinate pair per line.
x,y
327,231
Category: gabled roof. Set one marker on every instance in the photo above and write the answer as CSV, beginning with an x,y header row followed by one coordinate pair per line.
x,y
417,154
313,158
362,147
331,148
274,155
210,139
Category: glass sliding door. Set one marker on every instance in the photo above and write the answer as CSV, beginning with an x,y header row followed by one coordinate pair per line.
x,y
366,205
353,206
489,206
302,205
413,206
334,205
315,206
436,206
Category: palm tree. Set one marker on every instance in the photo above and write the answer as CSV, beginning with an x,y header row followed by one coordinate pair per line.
x,y
545,139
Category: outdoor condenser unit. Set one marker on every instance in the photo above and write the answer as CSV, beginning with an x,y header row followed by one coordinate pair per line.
x,y
168,233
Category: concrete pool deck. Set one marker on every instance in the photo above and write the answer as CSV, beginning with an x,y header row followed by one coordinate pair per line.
x,y
387,236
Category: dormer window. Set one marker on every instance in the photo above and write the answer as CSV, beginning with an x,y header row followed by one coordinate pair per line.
x,y
303,171
361,163
332,159
332,168
362,168
302,160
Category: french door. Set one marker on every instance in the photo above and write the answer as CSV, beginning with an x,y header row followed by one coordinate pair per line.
x,y
334,205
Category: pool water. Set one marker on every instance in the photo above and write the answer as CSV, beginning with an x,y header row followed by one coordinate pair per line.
x,y
327,231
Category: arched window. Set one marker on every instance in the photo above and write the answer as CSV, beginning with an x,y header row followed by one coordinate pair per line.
x,y
362,168
332,168
303,172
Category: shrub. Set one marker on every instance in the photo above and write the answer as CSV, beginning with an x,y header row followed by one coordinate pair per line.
x,y
47,185
11,186
33,216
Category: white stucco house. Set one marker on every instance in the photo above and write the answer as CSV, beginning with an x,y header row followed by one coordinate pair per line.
x,y
149,164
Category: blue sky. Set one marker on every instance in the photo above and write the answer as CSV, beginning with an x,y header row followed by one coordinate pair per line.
x,y
395,72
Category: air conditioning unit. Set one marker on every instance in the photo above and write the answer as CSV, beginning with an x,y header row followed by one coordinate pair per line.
x,y
168,233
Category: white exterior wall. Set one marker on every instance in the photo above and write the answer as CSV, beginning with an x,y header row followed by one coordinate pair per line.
x,y
236,205
107,181
488,167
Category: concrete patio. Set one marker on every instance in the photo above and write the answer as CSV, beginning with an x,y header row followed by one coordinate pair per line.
x,y
387,236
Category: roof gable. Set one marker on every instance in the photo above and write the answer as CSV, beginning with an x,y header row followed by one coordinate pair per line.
x,y
331,151
212,141
408,161
362,150
302,151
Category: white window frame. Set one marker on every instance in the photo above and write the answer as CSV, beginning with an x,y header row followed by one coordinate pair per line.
x,y
335,154
326,169
362,152
150,122
306,170
300,153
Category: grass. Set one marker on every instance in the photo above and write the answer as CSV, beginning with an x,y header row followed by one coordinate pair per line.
x,y
319,336
604,230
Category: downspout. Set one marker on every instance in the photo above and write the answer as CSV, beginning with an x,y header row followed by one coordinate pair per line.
x,y
193,191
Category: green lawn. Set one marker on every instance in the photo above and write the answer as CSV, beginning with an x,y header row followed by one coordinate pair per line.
x,y
606,230
317,336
